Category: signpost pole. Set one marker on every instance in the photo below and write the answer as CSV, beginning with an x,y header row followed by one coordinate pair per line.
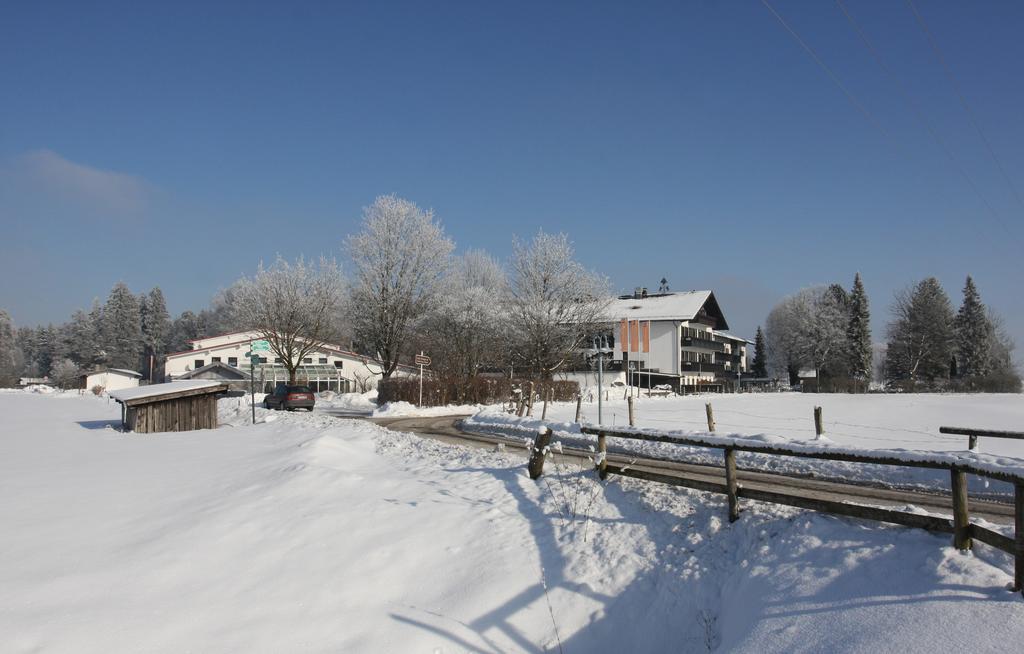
x,y
421,378
252,385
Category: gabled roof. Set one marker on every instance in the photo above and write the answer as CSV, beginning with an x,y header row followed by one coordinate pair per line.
x,y
231,371
666,306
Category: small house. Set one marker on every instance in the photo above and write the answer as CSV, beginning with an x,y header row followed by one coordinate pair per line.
x,y
175,406
110,379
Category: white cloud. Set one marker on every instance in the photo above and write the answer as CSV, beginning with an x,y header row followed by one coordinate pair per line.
x,y
92,188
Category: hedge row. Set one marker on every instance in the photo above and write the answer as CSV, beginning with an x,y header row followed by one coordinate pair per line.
x,y
481,390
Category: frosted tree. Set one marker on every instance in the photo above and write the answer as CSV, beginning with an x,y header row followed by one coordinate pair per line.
x,y
920,343
465,328
783,331
858,333
1003,376
65,373
295,307
760,364
156,327
554,303
186,327
9,351
822,331
122,328
973,335
398,258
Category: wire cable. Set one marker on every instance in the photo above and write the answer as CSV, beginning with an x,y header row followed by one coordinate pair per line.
x,y
963,98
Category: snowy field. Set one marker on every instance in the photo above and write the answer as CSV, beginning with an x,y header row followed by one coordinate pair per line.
x,y
899,425
313,534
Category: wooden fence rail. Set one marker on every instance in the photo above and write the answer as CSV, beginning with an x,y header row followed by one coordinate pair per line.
x,y
963,530
972,434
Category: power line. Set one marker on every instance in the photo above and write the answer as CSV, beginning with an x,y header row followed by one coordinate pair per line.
x,y
919,114
963,99
849,95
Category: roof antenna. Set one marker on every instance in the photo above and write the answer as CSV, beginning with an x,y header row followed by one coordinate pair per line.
x,y
664,286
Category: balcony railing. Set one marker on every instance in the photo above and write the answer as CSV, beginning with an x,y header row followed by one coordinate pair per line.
x,y
702,343
693,366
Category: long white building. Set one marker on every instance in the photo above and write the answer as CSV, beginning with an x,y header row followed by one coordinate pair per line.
x,y
225,357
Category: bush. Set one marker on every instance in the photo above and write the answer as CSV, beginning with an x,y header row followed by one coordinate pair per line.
x,y
97,390
482,390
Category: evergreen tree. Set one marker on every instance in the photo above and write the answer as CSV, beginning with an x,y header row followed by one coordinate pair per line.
x,y
760,364
858,333
82,344
921,334
99,354
9,351
122,328
973,335
156,327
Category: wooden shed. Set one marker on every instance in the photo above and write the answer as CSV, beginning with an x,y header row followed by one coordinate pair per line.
x,y
175,406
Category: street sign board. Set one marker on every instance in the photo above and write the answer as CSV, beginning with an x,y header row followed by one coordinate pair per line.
x,y
422,360
255,356
260,346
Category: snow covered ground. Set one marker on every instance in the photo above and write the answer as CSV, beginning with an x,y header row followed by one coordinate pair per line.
x,y
309,533
902,425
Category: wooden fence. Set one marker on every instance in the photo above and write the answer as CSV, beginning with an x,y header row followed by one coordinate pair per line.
x,y
964,531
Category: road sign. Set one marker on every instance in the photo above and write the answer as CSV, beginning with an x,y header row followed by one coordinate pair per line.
x,y
255,356
422,360
260,346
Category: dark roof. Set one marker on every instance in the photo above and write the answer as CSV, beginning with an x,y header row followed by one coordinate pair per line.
x,y
216,365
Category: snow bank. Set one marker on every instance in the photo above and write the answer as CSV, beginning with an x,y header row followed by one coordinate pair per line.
x,y
396,409
318,534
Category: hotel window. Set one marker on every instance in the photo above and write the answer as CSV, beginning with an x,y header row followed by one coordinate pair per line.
x,y
307,360
263,359
338,364
277,359
323,359
197,364
233,361
214,359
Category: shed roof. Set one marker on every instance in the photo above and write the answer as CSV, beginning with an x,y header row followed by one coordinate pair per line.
x,y
157,392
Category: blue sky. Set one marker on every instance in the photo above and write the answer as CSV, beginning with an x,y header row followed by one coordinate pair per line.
x,y
179,144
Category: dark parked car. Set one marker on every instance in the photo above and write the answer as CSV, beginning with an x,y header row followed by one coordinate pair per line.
x,y
290,397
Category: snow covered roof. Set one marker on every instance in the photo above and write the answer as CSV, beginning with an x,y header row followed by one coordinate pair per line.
x,y
170,388
733,337
119,371
668,306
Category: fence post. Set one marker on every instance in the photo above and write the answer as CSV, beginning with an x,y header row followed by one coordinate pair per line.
x,y
731,485
529,402
579,407
972,442
961,516
711,416
540,445
544,411
602,448
632,411
1018,538
819,425
522,405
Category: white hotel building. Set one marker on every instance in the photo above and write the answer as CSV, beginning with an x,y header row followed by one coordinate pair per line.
x,y
679,339
225,357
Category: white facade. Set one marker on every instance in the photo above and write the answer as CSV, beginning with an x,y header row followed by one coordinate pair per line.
x,y
112,379
676,338
328,367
